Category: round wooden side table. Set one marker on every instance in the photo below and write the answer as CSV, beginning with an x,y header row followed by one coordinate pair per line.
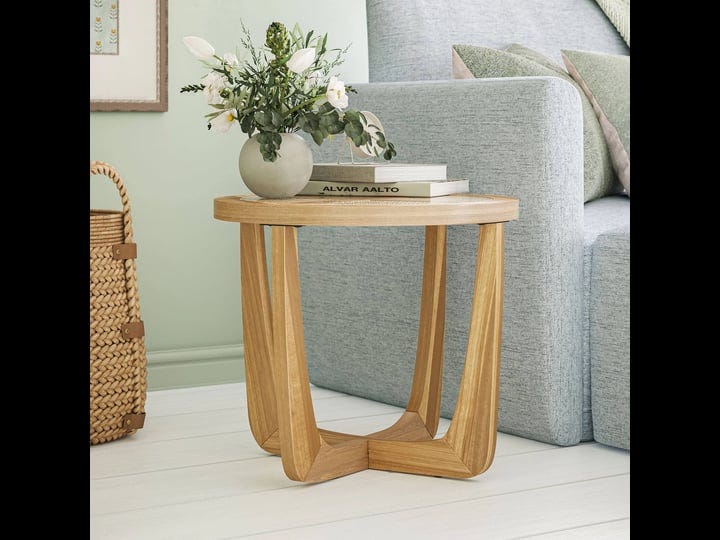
x,y
280,407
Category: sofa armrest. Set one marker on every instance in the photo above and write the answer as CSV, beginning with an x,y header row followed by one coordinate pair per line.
x,y
520,137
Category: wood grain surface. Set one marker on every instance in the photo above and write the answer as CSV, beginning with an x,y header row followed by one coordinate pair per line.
x,y
367,211
280,408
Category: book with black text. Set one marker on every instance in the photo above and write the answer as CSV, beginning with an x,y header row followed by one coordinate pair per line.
x,y
400,189
378,172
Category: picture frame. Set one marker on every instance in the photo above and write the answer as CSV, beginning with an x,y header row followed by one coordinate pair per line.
x,y
129,71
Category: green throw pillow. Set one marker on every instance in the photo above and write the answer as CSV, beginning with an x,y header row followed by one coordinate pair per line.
x,y
605,79
484,62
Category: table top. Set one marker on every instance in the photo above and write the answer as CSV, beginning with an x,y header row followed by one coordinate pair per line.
x,y
457,209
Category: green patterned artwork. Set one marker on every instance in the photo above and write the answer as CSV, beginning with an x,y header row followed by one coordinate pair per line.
x,y
104,34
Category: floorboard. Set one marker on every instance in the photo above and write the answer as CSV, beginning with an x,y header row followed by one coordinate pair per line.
x,y
195,472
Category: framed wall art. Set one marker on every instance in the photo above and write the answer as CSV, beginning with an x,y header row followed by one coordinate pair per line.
x,y
128,55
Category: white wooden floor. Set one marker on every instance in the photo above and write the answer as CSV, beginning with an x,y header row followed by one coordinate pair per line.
x,y
195,472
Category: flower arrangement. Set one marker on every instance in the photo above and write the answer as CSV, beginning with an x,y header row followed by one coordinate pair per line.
x,y
283,87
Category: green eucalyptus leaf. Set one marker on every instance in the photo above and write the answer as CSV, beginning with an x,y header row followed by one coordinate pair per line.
x,y
263,118
246,124
334,127
329,119
325,108
302,122
313,121
390,151
317,137
352,131
352,114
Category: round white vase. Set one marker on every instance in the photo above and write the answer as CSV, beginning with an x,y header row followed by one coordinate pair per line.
x,y
279,179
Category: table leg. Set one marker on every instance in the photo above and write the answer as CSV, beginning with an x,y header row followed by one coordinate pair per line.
x,y
468,447
280,407
257,337
427,379
422,415
306,456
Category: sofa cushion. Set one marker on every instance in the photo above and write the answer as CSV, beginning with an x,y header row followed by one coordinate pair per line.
x,y
610,338
518,61
600,217
361,286
411,41
605,80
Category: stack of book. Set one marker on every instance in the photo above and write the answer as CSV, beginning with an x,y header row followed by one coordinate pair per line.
x,y
382,180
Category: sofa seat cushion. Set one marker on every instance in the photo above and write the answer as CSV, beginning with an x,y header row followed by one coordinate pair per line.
x,y
600,216
610,338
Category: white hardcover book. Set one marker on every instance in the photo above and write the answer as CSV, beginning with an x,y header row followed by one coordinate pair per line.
x,y
399,189
378,172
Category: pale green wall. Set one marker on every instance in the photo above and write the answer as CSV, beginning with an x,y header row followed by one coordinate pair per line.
x,y
188,267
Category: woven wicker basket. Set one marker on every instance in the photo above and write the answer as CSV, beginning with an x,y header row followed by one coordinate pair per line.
x,y
118,364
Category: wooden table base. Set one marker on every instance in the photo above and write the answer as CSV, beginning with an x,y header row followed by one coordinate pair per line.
x,y
280,407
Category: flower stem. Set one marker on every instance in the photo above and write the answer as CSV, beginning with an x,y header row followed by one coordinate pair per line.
x,y
303,104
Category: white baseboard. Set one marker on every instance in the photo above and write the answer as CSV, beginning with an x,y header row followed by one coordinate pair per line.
x,y
198,366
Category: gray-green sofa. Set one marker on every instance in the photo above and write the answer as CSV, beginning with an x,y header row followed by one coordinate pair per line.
x,y
565,352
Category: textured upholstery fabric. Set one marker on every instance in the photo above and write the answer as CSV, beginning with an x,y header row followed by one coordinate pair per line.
x,y
610,338
484,62
520,137
410,41
605,80
515,136
600,216
618,11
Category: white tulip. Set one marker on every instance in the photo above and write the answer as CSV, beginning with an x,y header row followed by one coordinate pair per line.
x,y
224,121
199,47
214,84
231,59
301,60
336,93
